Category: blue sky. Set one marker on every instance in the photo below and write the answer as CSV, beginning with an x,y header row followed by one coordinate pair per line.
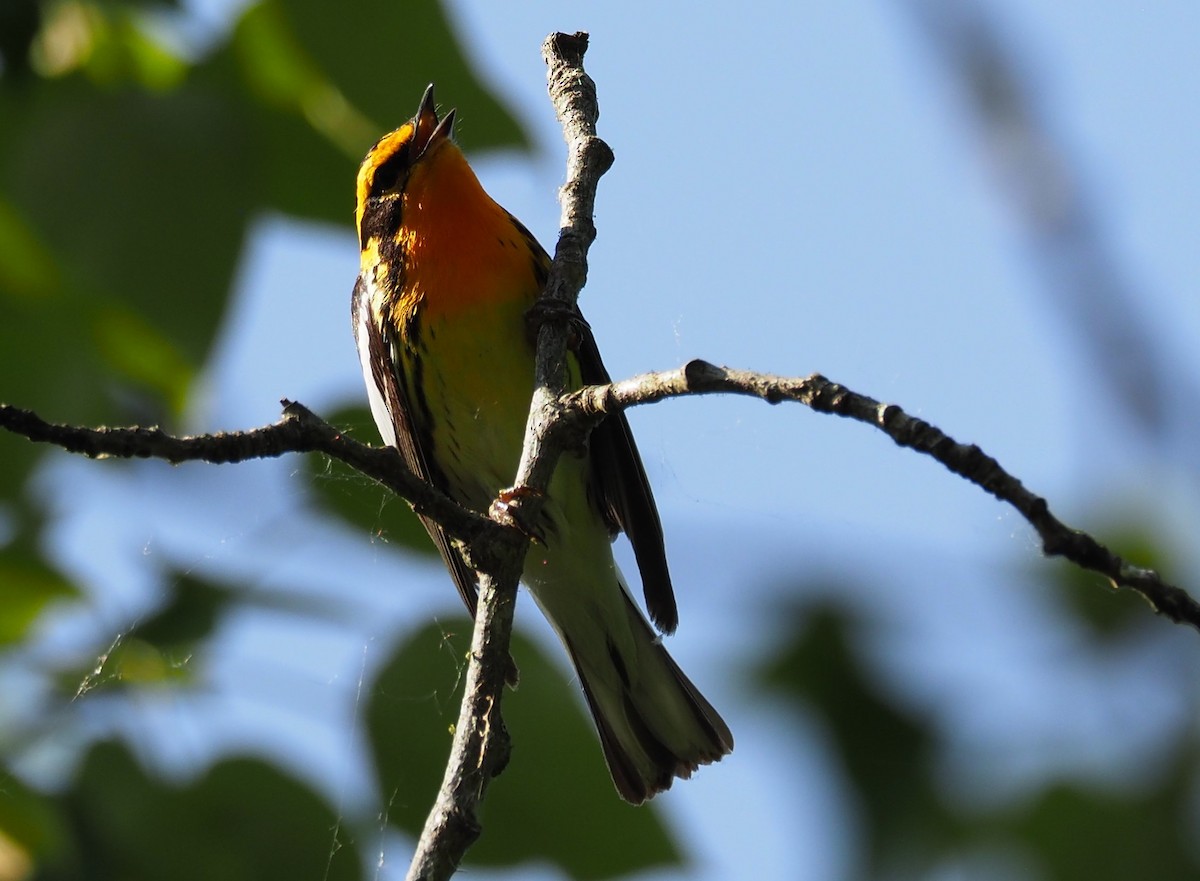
x,y
798,188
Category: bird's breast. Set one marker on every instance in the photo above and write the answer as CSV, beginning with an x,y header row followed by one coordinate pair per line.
x,y
476,375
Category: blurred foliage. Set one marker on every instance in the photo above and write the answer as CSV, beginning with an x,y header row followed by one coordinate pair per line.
x,y
242,819
130,169
29,587
129,174
1108,612
912,824
374,511
885,751
160,647
410,727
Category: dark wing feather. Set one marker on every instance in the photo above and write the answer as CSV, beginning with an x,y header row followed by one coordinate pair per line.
x,y
625,493
394,416
617,473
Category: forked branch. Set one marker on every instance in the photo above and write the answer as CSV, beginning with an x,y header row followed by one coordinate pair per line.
x,y
480,746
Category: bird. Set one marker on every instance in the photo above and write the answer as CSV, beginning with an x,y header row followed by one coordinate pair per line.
x,y
447,278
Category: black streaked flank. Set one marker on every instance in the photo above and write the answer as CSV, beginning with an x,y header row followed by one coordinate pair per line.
x,y
410,430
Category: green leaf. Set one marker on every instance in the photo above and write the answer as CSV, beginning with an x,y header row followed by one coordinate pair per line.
x,y
318,107
885,751
410,45
48,353
1099,835
190,614
114,47
19,24
304,165
27,270
243,820
174,164
554,802
373,509
30,827
1109,612
160,649
142,353
28,586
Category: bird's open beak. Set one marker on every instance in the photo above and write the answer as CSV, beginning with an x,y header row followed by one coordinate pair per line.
x,y
429,131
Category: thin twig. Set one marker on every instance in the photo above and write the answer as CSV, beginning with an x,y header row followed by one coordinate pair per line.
x,y
966,460
480,747
299,431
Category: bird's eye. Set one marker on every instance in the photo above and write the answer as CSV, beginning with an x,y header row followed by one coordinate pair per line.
x,y
389,172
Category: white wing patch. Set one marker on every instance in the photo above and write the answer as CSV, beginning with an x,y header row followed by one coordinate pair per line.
x,y
362,335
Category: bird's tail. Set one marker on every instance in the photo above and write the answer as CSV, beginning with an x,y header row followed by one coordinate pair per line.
x,y
653,723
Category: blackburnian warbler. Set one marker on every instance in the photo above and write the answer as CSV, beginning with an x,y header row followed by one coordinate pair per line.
x,y
447,277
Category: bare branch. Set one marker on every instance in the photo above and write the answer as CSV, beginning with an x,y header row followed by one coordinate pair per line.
x,y
588,158
966,460
480,747
299,431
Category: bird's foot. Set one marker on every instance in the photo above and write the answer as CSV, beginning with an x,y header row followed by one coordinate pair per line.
x,y
506,509
546,310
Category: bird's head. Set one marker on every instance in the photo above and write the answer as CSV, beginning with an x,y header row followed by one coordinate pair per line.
x,y
388,166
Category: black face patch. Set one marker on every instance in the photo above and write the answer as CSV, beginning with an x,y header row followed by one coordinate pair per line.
x,y
380,221
389,175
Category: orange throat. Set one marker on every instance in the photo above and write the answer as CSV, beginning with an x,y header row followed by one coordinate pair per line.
x,y
461,251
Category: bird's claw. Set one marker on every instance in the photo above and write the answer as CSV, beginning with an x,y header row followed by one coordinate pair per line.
x,y
506,509
546,309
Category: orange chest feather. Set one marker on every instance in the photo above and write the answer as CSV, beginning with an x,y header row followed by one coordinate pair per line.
x,y
445,276
460,250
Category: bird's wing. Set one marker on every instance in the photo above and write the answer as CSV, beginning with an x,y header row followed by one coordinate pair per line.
x,y
628,503
616,469
394,417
